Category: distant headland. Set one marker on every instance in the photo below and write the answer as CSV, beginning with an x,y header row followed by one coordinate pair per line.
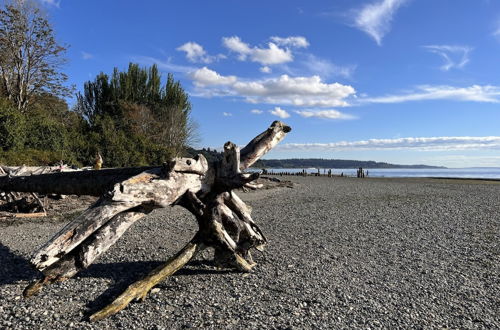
x,y
212,154
331,163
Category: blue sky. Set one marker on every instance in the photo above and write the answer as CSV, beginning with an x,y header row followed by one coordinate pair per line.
x,y
402,81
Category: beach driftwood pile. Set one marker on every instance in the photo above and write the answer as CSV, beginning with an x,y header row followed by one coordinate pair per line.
x,y
126,195
29,203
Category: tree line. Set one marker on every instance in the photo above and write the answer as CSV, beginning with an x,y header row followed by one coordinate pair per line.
x,y
131,117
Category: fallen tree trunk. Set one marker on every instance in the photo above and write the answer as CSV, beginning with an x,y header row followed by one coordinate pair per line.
x,y
205,189
93,183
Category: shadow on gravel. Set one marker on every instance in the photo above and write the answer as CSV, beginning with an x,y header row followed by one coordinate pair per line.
x,y
125,273
14,268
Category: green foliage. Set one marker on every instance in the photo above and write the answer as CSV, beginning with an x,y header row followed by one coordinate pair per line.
x,y
29,157
133,119
130,117
12,127
45,133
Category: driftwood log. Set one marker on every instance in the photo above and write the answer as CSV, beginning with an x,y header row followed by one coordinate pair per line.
x,y
126,195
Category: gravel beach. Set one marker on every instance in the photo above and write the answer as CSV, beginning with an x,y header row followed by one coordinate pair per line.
x,y
342,253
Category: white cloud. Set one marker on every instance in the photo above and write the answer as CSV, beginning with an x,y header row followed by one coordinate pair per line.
x,y
86,56
265,56
411,143
196,54
279,112
325,68
271,55
454,56
227,114
207,77
324,114
265,69
298,41
296,91
236,45
256,111
474,93
375,18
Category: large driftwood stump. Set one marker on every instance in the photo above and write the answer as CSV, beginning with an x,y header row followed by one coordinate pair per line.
x,y
205,189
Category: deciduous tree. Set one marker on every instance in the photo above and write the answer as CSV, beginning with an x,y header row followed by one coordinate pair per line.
x,y
30,56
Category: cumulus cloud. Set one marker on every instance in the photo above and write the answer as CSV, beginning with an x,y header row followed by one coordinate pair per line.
x,y
256,111
196,54
474,93
375,18
86,56
236,45
410,143
265,69
324,114
299,42
207,77
296,91
227,114
273,54
454,56
279,112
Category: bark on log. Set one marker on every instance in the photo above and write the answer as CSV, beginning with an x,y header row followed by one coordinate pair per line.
x,y
204,189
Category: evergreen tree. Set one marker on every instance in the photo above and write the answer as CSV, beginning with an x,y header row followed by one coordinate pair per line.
x,y
131,114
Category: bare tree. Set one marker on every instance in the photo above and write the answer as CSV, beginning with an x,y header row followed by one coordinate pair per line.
x,y
30,57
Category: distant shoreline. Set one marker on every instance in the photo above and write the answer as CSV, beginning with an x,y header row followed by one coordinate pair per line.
x,y
444,180
439,174
305,163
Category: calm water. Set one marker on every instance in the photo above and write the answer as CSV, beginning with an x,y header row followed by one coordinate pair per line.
x,y
483,173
